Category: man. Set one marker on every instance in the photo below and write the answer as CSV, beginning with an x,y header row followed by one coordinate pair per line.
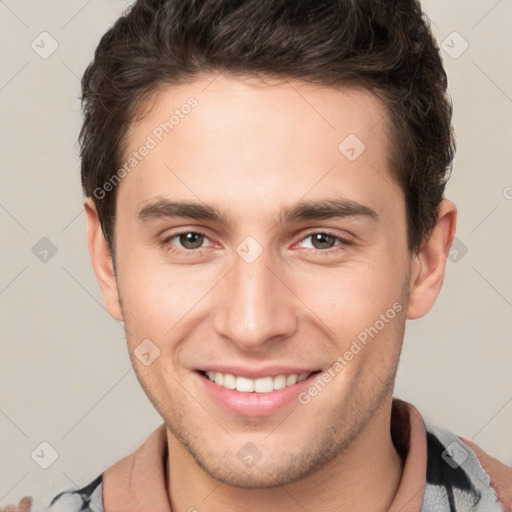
x,y
264,194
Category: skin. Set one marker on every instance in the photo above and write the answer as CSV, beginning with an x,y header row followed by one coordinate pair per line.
x,y
251,149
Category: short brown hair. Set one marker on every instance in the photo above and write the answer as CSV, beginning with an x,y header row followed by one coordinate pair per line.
x,y
384,46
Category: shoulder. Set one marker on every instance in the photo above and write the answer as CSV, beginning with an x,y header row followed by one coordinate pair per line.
x,y
500,475
463,475
87,499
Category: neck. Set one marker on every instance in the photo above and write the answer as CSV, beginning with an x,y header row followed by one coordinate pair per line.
x,y
363,477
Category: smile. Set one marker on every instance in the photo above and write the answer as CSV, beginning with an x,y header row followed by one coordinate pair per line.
x,y
261,385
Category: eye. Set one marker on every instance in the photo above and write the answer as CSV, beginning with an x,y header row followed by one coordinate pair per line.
x,y
321,241
190,241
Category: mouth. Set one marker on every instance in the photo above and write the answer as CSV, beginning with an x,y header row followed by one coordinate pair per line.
x,y
242,396
261,385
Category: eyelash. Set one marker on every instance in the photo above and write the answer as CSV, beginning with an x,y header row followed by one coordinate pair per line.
x,y
343,241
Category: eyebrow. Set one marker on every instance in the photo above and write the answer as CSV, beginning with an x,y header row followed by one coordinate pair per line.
x,y
305,210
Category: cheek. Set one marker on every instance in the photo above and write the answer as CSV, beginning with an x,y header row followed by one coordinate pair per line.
x,y
360,307
158,298
153,304
353,294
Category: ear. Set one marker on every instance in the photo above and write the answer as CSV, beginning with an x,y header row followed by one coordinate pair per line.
x,y
429,263
101,260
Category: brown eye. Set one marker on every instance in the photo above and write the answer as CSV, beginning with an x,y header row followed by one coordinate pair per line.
x,y
186,242
191,240
323,240
324,243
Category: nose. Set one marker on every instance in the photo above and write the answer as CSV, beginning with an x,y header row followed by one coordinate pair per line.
x,y
254,306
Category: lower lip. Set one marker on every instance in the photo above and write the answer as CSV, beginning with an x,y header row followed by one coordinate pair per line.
x,y
254,404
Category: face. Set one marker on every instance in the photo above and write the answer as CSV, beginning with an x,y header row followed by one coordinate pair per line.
x,y
292,266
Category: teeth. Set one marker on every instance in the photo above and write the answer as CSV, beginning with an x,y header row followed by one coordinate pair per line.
x,y
291,380
279,382
243,384
229,381
263,385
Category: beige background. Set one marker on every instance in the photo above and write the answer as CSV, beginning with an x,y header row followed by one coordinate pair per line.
x,y
65,375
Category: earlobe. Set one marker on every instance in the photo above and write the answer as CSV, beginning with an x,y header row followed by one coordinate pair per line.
x,y
429,263
101,260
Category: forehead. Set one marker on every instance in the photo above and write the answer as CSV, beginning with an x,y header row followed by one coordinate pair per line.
x,y
249,142
267,104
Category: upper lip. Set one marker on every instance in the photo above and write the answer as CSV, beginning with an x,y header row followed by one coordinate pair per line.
x,y
257,373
